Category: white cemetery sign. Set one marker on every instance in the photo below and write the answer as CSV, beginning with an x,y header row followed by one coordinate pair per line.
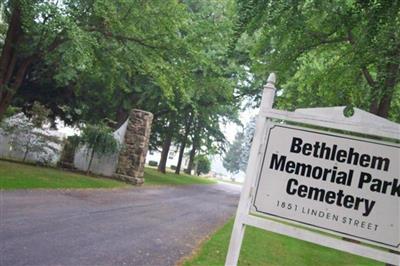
x,y
339,184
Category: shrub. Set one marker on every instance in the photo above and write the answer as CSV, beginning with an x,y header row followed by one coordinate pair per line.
x,y
98,139
153,163
173,167
31,136
203,164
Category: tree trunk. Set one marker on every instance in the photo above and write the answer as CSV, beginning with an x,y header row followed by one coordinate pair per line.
x,y
27,145
13,64
380,106
374,106
195,146
387,81
191,159
25,154
14,32
165,150
188,124
8,91
181,151
121,116
90,162
390,83
8,61
384,104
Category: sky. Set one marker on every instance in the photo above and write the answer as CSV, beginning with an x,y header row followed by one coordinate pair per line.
x,y
230,131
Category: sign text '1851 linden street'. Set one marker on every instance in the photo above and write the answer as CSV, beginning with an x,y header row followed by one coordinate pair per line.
x,y
345,185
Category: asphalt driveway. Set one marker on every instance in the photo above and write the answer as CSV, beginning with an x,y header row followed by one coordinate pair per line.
x,y
138,226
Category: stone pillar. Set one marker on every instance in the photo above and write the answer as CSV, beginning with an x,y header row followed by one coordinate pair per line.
x,y
132,157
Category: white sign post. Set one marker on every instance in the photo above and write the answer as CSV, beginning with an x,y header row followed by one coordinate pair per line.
x,y
339,184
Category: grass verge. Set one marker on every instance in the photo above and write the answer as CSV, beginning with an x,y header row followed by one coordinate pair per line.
x,y
153,177
23,176
265,248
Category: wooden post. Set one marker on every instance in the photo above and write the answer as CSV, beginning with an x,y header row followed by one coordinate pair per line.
x,y
326,117
268,97
239,227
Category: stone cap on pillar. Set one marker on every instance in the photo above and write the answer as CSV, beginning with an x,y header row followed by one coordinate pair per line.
x,y
142,111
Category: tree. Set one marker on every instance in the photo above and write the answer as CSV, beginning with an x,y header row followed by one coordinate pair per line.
x,y
208,99
232,158
98,139
203,164
166,144
111,42
248,135
196,144
186,131
28,135
94,61
325,53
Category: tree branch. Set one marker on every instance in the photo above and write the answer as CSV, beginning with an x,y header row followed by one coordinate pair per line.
x,y
321,42
123,38
368,76
60,39
364,69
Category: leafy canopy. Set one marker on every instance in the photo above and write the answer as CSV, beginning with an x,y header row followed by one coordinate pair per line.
x,y
324,52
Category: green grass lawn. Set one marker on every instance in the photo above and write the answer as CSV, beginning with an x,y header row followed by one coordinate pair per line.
x,y
265,248
23,176
153,177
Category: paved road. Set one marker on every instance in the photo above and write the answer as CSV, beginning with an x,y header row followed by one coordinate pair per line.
x,y
139,226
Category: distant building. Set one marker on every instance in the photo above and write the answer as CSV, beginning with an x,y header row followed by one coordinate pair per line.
x,y
172,160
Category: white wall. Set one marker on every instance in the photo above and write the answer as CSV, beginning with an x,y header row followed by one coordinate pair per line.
x,y
101,165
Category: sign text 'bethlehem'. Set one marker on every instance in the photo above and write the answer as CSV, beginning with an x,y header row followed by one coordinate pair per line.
x,y
346,185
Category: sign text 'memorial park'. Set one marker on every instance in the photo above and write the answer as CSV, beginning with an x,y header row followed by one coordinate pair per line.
x,y
349,186
312,183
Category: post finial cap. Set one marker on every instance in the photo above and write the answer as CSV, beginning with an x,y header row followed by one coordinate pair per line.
x,y
270,82
271,78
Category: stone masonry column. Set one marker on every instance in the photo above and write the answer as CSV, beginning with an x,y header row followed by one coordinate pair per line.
x,y
132,157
